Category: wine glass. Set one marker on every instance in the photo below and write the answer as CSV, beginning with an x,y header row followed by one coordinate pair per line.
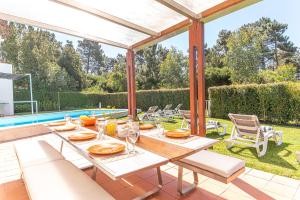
x,y
133,136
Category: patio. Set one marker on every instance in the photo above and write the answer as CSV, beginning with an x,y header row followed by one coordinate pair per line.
x,y
252,184
129,28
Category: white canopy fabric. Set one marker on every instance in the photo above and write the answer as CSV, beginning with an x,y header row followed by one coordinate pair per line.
x,y
121,23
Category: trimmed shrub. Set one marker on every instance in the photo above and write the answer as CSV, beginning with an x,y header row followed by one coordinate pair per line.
x,y
48,101
278,102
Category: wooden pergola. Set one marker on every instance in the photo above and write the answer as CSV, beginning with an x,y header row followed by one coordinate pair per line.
x,y
132,25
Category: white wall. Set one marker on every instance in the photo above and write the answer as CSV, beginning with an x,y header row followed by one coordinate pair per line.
x,y
6,91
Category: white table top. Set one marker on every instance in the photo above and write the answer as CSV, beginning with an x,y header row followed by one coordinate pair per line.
x,y
120,167
197,144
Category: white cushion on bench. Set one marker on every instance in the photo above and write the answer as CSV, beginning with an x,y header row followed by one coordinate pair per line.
x,y
35,153
60,179
216,163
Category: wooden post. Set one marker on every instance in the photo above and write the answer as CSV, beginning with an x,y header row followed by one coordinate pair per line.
x,y
197,79
131,88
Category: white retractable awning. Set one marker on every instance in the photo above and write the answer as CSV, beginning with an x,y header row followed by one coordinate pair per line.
x,y
128,24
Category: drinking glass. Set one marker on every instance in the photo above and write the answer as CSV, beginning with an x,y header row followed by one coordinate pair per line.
x,y
101,130
159,127
78,124
130,120
111,128
68,119
133,136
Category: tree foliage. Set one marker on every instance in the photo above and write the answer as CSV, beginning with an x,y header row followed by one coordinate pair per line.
x,y
174,70
92,56
258,52
148,63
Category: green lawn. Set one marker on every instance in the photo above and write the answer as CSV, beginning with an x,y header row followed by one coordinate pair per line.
x,y
280,160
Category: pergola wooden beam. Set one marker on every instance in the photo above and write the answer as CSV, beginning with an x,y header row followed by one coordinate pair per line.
x,y
224,8
98,13
131,85
165,34
173,5
29,22
197,81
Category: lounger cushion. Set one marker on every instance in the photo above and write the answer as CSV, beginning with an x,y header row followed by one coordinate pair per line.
x,y
216,163
35,153
60,179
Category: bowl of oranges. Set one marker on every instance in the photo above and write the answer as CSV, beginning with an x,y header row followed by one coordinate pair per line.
x,y
87,121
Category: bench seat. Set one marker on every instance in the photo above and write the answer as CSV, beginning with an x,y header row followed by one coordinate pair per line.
x,y
219,164
216,166
35,153
47,175
60,179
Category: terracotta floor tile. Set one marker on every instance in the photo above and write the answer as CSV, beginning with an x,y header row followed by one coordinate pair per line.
x,y
146,173
167,178
130,180
162,196
112,186
171,188
200,194
15,190
141,187
2,192
124,194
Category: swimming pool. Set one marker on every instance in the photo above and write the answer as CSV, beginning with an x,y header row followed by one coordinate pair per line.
x,y
47,117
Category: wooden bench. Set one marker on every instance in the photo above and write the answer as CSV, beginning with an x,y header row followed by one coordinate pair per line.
x,y
216,166
47,175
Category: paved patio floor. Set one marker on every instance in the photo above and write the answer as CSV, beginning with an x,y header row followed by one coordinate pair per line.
x,y
253,184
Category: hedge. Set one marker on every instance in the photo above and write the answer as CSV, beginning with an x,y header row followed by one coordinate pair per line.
x,y
277,103
48,101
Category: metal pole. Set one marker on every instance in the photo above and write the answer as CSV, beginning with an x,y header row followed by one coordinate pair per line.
x,y
58,101
31,96
36,107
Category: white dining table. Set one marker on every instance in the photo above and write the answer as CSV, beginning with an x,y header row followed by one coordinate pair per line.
x,y
121,165
118,165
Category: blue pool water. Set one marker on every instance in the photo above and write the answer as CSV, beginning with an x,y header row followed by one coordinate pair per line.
x,y
47,117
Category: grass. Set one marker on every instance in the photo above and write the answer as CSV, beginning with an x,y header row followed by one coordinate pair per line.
x,y
280,160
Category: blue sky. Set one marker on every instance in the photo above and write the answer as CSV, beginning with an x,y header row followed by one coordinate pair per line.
x,y
284,11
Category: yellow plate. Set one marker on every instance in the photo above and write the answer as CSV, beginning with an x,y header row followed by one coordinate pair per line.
x,y
84,135
57,124
177,133
66,128
106,148
146,126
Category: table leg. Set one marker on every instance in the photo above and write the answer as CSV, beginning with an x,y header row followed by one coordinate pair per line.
x,y
61,146
154,191
184,191
94,175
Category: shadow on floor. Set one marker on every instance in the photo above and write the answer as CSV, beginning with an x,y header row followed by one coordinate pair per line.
x,y
252,191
